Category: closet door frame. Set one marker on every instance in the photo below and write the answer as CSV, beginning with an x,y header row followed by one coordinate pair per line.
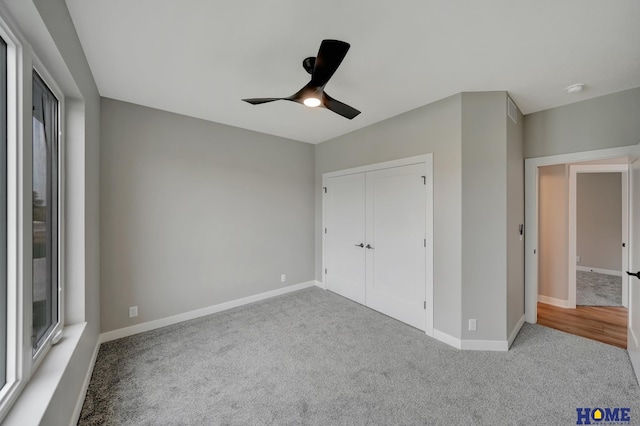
x,y
426,159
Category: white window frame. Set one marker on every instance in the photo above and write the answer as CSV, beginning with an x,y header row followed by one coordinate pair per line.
x,y
14,368
22,362
51,84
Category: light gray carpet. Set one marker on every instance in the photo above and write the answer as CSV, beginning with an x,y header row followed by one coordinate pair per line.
x,y
312,357
593,289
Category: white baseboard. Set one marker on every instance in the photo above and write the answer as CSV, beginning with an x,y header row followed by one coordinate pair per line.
x,y
447,338
485,345
85,385
174,319
561,303
515,331
599,271
320,284
474,345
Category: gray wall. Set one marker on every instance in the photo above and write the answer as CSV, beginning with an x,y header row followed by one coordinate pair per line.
x,y
604,122
599,220
196,213
434,128
553,232
484,214
515,217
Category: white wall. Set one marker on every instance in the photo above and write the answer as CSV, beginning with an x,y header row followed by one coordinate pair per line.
x,y
599,220
553,232
196,213
434,128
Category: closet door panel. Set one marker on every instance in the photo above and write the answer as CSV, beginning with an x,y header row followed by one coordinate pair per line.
x,y
345,224
395,228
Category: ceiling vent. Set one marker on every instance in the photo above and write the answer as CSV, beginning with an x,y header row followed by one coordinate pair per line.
x,y
512,110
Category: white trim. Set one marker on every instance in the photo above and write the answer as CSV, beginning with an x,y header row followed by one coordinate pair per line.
x,y
485,345
34,400
574,169
531,166
16,361
175,319
515,331
424,158
626,237
561,303
447,338
320,284
478,345
85,385
599,271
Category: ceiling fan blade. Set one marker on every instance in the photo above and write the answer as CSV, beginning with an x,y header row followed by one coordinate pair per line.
x,y
329,58
258,101
338,107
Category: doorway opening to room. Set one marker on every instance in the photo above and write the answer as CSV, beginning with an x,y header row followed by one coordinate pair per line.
x,y
580,249
583,249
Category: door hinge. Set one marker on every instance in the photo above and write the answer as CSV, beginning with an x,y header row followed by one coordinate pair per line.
x,y
325,189
325,230
624,244
425,242
425,304
424,180
325,271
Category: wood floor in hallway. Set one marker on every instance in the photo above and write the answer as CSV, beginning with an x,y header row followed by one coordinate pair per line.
x,y
607,324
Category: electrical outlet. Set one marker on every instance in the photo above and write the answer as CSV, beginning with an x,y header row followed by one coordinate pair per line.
x,y
472,325
133,311
283,278
577,259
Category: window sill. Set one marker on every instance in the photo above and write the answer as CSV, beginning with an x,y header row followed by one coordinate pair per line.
x,y
31,405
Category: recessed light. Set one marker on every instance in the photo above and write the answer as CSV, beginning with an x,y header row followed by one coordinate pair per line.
x,y
575,88
312,102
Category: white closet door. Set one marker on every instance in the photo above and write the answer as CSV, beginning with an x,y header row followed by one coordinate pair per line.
x,y
345,225
395,264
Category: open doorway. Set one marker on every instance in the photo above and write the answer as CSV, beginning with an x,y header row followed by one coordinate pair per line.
x,y
582,248
601,236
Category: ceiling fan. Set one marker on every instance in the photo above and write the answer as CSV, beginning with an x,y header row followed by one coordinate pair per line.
x,y
321,68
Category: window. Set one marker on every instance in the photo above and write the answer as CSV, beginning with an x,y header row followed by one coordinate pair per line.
x,y
45,212
30,303
3,212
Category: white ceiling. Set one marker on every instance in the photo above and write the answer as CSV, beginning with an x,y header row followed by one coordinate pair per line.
x,y
200,58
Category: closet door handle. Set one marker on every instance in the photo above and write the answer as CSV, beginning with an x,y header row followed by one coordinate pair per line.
x,y
369,247
637,274
359,245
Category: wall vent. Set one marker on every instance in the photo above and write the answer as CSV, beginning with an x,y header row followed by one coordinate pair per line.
x,y
512,110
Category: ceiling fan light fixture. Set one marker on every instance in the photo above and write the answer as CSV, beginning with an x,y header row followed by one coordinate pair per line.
x,y
321,68
312,102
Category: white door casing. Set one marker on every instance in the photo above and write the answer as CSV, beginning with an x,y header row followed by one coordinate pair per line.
x,y
626,236
633,333
344,233
531,166
396,243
